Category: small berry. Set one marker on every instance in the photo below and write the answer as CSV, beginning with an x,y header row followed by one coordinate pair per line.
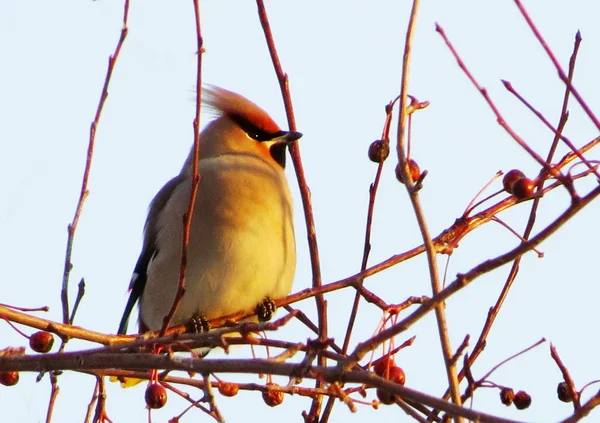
x,y
382,365
272,398
564,393
228,389
385,397
41,341
523,188
507,395
522,400
379,151
413,168
9,378
156,396
397,375
510,178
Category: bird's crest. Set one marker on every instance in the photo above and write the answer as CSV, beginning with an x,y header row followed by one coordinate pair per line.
x,y
226,103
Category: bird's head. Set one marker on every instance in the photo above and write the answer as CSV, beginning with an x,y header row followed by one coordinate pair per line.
x,y
241,126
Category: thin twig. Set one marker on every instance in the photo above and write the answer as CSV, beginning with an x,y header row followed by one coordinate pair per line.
x,y
64,293
385,138
210,398
555,172
430,250
80,294
512,357
567,377
494,311
100,415
545,121
90,407
53,395
282,77
189,214
561,72
466,278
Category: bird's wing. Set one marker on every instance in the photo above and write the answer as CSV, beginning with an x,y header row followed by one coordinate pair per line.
x,y
149,249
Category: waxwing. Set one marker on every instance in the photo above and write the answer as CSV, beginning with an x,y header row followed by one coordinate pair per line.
x,y
241,250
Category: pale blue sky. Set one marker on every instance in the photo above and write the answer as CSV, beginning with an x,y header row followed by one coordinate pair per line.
x,y
343,59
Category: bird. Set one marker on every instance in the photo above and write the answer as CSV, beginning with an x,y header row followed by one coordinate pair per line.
x,y
241,253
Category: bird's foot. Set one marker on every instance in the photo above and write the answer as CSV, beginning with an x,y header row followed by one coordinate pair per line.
x,y
198,324
265,309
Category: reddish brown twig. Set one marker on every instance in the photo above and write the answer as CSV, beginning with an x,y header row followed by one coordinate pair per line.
x,y
561,73
385,137
494,311
64,293
92,403
189,214
468,277
431,251
545,165
26,309
515,233
512,357
566,377
54,390
100,415
282,77
543,119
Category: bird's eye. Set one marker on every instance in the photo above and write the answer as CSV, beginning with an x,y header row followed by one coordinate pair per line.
x,y
254,131
254,134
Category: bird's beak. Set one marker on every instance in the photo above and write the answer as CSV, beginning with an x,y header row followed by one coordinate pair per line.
x,y
292,136
287,137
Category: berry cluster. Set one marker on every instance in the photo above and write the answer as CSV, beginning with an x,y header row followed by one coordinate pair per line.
x,y
386,368
516,183
521,399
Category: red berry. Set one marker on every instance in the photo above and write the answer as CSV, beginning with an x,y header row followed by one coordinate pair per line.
x,y
41,341
522,400
397,375
156,395
507,395
272,398
9,378
523,188
382,365
379,150
510,178
228,389
413,168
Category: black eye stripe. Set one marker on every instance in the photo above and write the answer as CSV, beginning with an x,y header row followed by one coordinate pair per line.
x,y
255,132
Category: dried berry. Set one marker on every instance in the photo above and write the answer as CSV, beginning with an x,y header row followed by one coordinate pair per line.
x,y
522,400
385,397
564,392
523,188
41,341
271,397
413,168
379,151
228,389
156,396
507,395
510,178
9,378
